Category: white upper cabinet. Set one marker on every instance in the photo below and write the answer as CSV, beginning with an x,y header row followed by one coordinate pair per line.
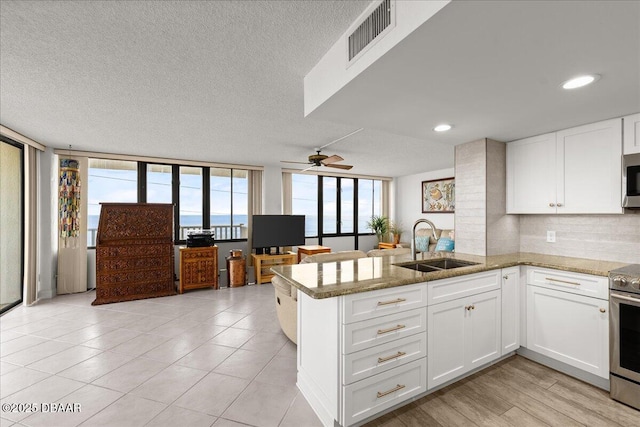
x,y
531,175
574,171
632,134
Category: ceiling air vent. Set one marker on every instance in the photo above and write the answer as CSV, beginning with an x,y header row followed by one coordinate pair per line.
x,y
371,28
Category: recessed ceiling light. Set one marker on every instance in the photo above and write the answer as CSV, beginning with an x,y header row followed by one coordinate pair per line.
x,y
580,81
442,128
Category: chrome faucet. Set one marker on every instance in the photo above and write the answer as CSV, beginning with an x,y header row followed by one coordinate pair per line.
x,y
413,234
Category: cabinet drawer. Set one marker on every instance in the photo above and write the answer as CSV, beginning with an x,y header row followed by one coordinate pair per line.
x,y
367,305
368,333
462,286
365,363
372,395
575,283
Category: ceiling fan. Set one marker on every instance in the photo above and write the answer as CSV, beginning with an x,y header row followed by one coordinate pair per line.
x,y
318,159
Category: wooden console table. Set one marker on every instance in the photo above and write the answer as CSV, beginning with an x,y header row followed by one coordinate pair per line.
x,y
198,268
262,265
384,245
311,250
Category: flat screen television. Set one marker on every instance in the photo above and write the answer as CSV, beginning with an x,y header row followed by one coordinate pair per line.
x,y
271,231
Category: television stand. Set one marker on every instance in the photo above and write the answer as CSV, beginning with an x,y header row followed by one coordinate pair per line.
x,y
262,264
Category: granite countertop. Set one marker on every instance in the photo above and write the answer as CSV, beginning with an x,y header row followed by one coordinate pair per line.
x,y
367,274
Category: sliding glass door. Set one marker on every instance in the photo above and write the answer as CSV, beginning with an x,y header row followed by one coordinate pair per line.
x,y
11,224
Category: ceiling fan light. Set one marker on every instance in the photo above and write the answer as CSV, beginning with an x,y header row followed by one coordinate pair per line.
x,y
580,81
442,128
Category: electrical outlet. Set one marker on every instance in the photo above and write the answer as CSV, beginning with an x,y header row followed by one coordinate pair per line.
x,y
551,236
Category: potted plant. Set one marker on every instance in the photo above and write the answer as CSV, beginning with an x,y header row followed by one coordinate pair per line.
x,y
380,226
395,228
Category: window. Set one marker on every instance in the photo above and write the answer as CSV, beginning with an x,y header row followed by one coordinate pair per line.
x,y
329,205
190,215
346,205
109,181
11,223
239,203
159,181
216,198
304,201
369,202
339,212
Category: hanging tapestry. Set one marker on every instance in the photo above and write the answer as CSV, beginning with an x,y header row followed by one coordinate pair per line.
x,y
69,201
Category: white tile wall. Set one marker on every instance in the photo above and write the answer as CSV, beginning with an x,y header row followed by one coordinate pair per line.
x,y
503,231
470,215
603,237
482,225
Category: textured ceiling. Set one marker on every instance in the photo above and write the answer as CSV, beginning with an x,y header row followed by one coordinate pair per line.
x,y
223,81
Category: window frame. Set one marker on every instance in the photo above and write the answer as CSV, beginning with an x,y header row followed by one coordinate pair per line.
x,y
142,186
320,207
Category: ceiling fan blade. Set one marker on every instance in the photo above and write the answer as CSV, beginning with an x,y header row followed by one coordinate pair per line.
x,y
332,159
340,139
291,161
309,168
345,167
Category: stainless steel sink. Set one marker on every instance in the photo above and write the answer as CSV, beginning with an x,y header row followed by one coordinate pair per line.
x,y
430,265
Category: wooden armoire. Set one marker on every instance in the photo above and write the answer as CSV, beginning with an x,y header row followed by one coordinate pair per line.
x,y
134,252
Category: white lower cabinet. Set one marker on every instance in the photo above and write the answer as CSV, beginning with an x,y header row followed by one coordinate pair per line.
x,y
569,327
510,309
379,392
461,335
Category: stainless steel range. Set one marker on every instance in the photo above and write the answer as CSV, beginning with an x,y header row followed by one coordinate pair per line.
x,y
624,334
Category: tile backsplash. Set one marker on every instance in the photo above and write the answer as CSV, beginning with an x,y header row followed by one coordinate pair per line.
x,y
603,237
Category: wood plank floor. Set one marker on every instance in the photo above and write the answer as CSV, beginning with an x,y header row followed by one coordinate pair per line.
x,y
514,392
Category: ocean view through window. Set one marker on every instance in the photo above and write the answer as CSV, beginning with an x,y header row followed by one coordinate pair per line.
x,y
210,198
339,204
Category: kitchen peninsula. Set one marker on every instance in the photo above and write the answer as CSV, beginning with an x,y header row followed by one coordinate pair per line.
x,y
374,335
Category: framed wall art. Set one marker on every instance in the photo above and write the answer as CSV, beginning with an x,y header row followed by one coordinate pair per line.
x,y
439,196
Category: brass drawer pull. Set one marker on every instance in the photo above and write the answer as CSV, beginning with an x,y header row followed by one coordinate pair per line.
x,y
393,390
395,328
395,301
562,281
395,356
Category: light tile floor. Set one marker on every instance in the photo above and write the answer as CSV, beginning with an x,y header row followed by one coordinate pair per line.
x,y
204,358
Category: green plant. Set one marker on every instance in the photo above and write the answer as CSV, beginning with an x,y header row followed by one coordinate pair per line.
x,y
379,225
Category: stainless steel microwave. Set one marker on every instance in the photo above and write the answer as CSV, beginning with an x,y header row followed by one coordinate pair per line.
x,y
631,181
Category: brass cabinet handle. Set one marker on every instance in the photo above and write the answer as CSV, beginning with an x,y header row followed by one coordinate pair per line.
x,y
505,277
470,307
396,388
395,356
395,328
602,310
562,281
551,205
559,205
395,301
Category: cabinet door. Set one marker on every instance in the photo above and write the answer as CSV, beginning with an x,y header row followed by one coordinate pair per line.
x,y
590,156
531,175
445,341
573,329
510,309
632,134
482,329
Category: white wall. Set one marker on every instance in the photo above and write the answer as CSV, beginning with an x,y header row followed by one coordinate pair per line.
x,y
47,227
331,73
407,206
272,194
